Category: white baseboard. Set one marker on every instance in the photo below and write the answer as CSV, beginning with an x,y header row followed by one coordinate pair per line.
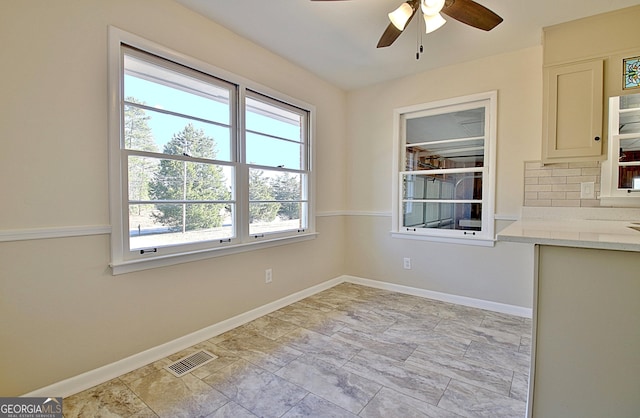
x,y
105,373
444,297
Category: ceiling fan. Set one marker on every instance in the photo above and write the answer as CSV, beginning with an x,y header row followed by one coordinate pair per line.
x,y
465,11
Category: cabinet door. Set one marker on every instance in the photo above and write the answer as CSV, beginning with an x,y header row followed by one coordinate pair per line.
x,y
572,125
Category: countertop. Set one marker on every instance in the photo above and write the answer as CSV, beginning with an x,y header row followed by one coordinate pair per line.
x,y
583,233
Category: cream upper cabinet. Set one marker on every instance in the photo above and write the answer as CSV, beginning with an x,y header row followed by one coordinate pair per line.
x,y
572,117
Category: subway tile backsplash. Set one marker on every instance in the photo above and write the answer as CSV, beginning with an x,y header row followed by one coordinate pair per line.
x,y
558,185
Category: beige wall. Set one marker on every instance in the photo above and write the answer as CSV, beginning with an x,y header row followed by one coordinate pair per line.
x,y
592,37
57,296
500,274
61,311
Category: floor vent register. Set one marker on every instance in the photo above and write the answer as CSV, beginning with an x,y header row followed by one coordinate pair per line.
x,y
190,363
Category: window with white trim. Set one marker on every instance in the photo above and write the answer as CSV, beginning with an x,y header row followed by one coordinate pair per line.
x,y
621,171
444,170
277,159
202,164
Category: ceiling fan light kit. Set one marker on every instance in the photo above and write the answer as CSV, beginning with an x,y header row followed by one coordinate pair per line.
x,y
434,22
400,17
431,7
466,11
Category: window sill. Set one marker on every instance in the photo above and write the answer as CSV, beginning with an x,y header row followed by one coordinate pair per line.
x,y
480,242
124,267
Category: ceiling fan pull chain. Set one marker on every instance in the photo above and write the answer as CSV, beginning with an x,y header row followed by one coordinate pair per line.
x,y
421,32
419,47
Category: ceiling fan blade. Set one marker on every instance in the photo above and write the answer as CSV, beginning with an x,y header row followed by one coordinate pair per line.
x,y
391,33
472,13
389,36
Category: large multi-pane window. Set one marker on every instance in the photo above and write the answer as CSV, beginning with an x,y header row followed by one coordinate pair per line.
x,y
445,171
200,164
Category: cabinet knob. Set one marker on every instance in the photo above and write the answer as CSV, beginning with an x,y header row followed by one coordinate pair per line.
x,y
597,138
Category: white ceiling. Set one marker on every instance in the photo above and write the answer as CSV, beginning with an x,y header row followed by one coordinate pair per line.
x,y
337,39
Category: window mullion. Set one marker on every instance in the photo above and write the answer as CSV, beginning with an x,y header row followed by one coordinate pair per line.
x,y
445,141
171,113
272,136
445,171
176,157
242,175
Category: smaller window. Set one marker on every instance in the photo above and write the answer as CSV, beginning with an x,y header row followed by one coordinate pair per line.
x,y
445,170
621,172
277,159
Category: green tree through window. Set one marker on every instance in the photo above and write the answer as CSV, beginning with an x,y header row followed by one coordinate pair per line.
x,y
181,180
287,188
260,193
138,135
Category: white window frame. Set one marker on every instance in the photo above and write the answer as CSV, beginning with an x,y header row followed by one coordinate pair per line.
x,y
610,194
484,237
122,259
304,170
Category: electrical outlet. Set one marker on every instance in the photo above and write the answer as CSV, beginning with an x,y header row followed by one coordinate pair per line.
x,y
406,262
268,276
587,190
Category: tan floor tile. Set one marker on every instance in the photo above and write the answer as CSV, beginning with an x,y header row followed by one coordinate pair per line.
x,y
111,399
473,401
256,389
389,403
174,397
341,387
348,351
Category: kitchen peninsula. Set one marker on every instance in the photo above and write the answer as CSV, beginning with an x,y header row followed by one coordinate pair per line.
x,y
586,342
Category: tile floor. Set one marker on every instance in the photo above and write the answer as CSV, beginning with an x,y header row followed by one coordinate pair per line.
x,y
350,351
